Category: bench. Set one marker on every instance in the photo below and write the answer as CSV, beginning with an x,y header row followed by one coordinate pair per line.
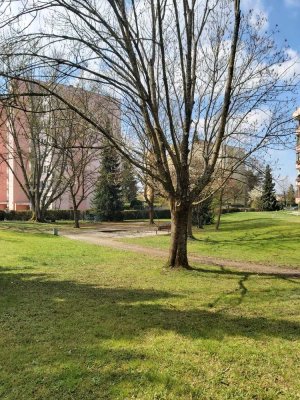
x,y
165,227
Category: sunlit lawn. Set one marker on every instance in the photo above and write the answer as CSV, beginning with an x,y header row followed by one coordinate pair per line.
x,y
78,321
272,238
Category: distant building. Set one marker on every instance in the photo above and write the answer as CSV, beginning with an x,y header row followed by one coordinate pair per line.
x,y
12,197
296,116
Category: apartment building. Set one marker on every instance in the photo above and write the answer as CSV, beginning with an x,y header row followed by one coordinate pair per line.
x,y
16,150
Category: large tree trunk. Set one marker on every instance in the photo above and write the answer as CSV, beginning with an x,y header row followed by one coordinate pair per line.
x,y
178,249
37,215
190,224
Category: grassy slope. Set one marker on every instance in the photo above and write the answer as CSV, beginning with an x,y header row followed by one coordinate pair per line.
x,y
264,237
79,321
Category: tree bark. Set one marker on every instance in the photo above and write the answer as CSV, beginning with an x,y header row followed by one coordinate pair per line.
x,y
219,210
190,224
149,197
37,215
76,218
75,211
178,249
151,214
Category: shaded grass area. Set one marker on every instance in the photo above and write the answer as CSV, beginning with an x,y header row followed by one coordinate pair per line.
x,y
271,238
66,226
78,321
46,227
35,227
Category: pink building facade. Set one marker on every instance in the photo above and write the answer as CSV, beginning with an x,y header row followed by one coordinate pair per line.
x,y
12,196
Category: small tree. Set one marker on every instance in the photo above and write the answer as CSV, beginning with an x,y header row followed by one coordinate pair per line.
x,y
269,202
256,198
108,197
290,195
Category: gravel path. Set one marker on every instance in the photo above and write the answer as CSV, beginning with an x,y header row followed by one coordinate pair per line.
x,y
248,267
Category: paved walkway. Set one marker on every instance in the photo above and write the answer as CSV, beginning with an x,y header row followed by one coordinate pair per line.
x,y
248,267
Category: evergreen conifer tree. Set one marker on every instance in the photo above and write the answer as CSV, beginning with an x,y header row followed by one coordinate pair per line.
x,y
129,184
269,202
108,201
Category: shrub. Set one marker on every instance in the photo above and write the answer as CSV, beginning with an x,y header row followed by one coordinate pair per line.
x,y
144,214
17,215
68,215
51,215
2,215
136,204
59,215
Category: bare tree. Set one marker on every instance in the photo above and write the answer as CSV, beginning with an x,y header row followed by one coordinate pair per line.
x,y
81,173
30,128
179,70
82,159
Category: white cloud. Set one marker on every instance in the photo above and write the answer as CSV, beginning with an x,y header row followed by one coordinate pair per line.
x,y
291,66
259,10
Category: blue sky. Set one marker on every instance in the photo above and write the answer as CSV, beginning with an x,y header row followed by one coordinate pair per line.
x,y
286,14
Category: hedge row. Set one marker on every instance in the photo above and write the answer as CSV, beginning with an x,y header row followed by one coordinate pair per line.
x,y
15,215
51,215
238,209
58,215
144,214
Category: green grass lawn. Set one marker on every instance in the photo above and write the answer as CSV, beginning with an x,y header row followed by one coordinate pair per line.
x,y
271,238
28,226
82,322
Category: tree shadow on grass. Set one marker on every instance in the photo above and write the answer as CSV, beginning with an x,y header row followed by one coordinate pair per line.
x,y
292,276
63,333
127,312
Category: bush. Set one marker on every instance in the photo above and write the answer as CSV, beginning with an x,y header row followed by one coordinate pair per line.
x,y
59,215
237,209
2,215
68,215
17,215
203,214
144,214
136,204
50,215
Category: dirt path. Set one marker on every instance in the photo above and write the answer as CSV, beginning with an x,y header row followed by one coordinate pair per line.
x,y
249,267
